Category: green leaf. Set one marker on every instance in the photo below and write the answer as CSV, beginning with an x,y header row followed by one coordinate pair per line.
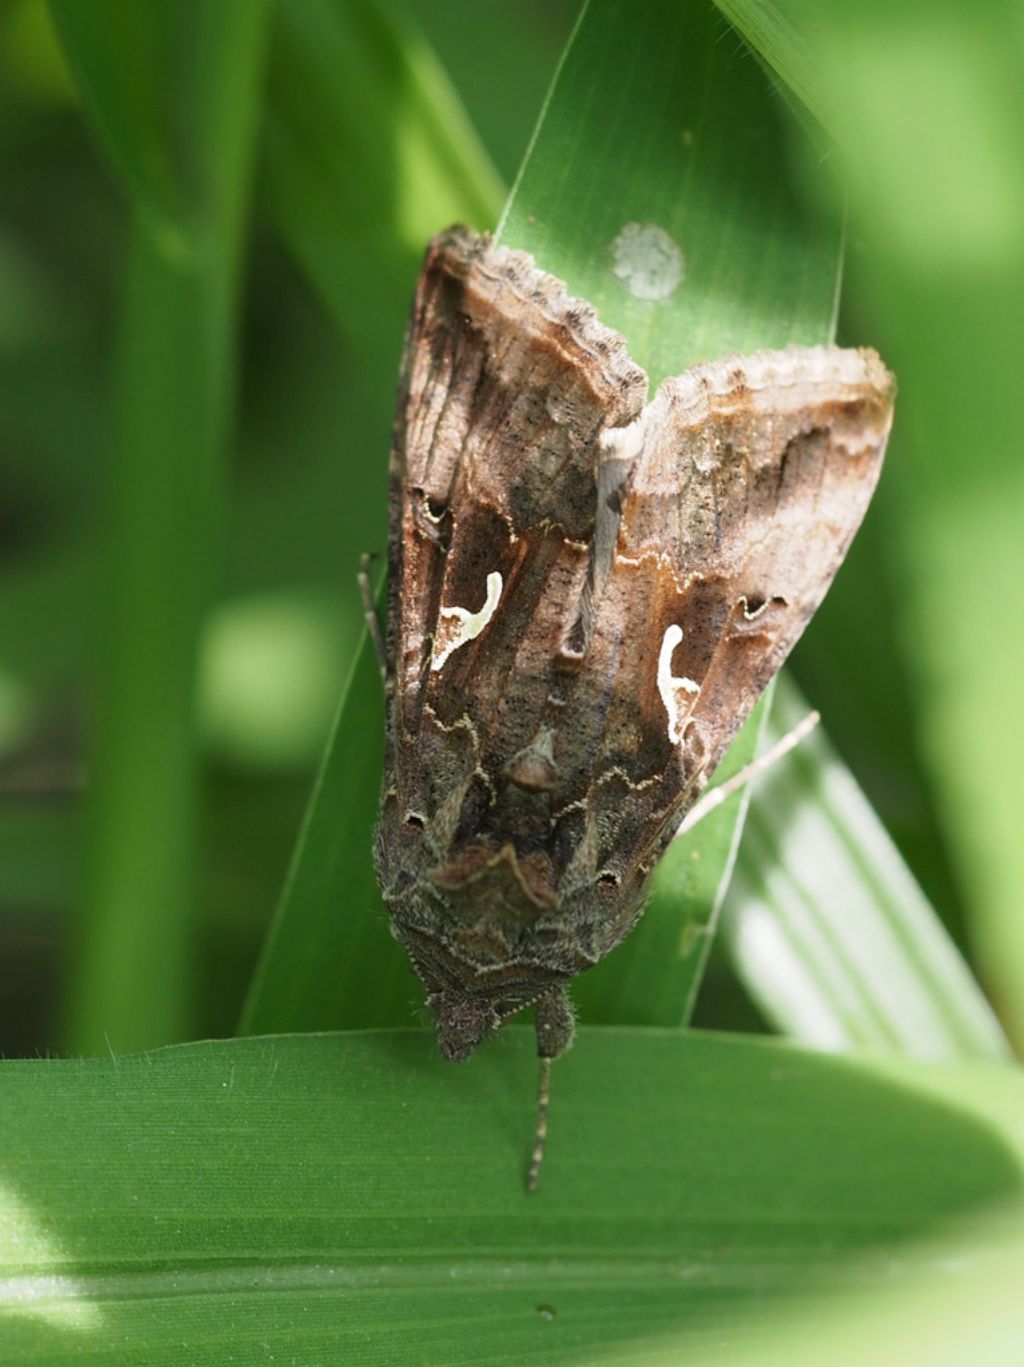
x,y
329,955
925,102
828,930
689,139
368,153
177,111
923,1319
350,1198
655,121
130,100
171,87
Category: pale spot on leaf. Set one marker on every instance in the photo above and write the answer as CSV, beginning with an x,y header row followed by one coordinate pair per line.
x,y
648,260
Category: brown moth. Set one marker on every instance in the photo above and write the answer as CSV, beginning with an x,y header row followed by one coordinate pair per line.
x,y
587,595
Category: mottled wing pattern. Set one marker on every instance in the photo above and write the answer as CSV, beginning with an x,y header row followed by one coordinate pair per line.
x,y
507,389
740,488
587,596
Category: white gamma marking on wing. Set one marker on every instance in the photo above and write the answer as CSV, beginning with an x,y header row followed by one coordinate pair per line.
x,y
678,695
468,625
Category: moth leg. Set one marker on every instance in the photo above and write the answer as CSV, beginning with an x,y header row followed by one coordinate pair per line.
x,y
555,1027
370,613
541,1132
710,800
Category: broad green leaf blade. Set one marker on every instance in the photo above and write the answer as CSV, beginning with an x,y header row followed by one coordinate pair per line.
x,y
353,1198
828,930
656,123
925,103
174,388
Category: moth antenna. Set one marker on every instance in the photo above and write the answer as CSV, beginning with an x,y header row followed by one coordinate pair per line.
x,y
707,804
541,1133
370,613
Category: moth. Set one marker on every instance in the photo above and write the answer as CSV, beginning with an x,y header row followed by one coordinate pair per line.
x,y
587,594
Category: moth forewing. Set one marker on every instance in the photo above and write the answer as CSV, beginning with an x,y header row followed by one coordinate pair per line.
x,y
751,479
587,596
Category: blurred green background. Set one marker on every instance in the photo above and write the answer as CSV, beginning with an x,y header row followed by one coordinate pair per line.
x,y
211,218
194,667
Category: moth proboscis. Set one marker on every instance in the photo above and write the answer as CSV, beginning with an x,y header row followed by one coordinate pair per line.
x,y
587,594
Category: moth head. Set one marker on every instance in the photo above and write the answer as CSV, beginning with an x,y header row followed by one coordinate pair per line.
x,y
462,1025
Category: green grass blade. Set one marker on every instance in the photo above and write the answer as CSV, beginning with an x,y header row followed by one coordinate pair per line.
x,y
368,153
925,103
828,930
174,383
129,100
660,117
353,1198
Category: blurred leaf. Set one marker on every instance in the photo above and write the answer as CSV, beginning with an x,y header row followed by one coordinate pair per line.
x,y
268,677
923,1318
176,106
925,103
852,662
170,112
130,100
37,838
826,926
501,61
325,1198
30,57
368,153
689,142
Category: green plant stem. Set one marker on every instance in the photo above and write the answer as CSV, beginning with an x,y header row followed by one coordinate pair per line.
x,y
173,387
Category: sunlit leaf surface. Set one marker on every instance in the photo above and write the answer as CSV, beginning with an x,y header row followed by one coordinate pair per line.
x,y
353,1198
